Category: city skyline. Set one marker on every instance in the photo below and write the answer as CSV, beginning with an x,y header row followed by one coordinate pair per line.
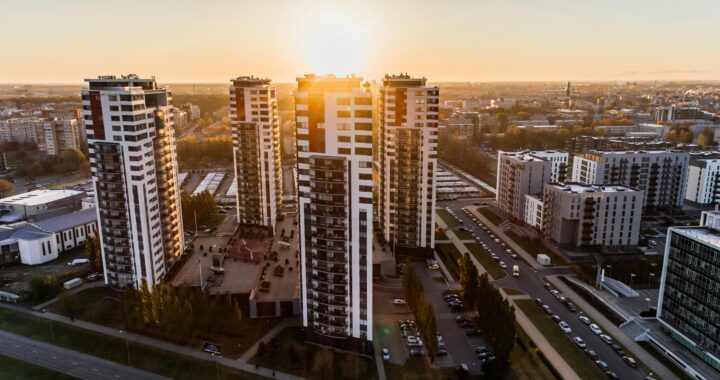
x,y
488,41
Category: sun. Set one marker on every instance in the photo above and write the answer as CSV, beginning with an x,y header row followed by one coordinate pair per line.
x,y
334,43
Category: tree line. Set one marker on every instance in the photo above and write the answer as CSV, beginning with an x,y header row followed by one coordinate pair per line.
x,y
421,308
201,205
190,151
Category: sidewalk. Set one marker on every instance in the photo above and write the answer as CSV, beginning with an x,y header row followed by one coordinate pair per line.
x,y
639,352
156,343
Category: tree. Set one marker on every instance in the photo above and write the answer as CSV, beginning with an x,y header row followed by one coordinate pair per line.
x,y
468,280
68,304
706,138
201,205
496,317
72,159
6,188
93,252
44,287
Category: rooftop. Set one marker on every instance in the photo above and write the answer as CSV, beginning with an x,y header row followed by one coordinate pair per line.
x,y
538,155
38,197
582,188
706,235
71,220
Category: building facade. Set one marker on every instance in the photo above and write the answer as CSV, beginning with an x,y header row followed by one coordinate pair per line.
x,y
408,161
335,187
592,216
51,135
256,150
132,157
661,174
689,304
703,182
523,173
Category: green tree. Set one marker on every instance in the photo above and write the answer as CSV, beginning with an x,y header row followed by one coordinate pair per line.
x,y
72,159
44,287
6,188
93,252
468,280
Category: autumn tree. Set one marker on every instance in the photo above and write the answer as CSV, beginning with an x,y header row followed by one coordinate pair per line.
x,y
6,188
93,252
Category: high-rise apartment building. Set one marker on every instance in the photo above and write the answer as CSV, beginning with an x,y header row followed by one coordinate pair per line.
x,y
703,182
523,173
661,174
51,135
408,160
592,216
132,156
256,150
689,304
335,186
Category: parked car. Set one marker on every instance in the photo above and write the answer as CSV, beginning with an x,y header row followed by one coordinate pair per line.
x,y
612,375
473,332
399,301
606,338
503,265
565,327
591,354
618,349
571,307
462,369
441,352
595,329
630,361
461,319
547,309
556,318
385,354
480,349
580,342
603,366
538,301
585,320
416,353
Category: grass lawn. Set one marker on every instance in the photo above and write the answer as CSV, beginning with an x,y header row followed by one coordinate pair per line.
x,y
98,309
581,363
526,361
463,235
447,218
143,357
490,215
417,369
669,364
18,369
535,247
490,265
513,292
449,256
440,235
288,353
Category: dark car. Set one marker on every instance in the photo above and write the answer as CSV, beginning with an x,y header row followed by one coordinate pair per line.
x,y
441,352
618,350
571,307
473,333
556,318
461,318
612,375
591,354
539,301
416,353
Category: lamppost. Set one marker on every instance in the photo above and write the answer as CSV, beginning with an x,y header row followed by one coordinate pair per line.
x,y
127,344
217,367
632,277
609,268
652,275
201,277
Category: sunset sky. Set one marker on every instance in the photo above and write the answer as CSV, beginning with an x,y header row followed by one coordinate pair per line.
x,y
474,40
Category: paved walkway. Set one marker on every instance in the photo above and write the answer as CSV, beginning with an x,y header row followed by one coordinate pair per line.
x,y
640,353
67,361
156,343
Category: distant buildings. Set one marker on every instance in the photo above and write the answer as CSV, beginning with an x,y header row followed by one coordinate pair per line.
x,y
256,150
408,161
34,243
689,305
52,136
703,182
524,173
192,111
39,204
592,216
683,111
334,119
132,156
661,174
180,117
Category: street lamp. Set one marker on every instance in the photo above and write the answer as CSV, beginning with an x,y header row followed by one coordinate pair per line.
x,y
127,344
652,275
632,276
609,268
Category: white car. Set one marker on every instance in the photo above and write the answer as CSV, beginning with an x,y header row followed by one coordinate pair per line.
x,y
503,265
585,320
580,342
385,354
595,329
399,301
565,327
606,338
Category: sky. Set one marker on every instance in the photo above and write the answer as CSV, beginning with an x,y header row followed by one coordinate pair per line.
x,y
444,40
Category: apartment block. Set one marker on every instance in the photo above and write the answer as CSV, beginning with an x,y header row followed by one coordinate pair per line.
x,y
703,182
689,304
661,174
592,216
133,161
523,173
52,135
256,150
334,168
408,160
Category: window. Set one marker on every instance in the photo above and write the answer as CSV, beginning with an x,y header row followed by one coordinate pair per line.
x,y
363,126
343,139
363,139
363,113
363,151
344,151
364,101
343,101
343,114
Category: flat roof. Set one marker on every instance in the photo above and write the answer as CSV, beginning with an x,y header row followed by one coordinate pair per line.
x,y
707,235
584,188
67,221
38,197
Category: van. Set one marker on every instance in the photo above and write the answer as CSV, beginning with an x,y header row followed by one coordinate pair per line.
x,y
78,262
72,283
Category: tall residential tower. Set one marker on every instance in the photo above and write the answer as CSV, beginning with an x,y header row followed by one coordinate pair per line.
x,y
132,156
256,150
334,166
408,160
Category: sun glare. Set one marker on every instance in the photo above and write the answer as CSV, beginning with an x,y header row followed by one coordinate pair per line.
x,y
335,44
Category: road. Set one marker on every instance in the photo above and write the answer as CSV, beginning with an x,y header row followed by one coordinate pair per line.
x,y
67,361
530,283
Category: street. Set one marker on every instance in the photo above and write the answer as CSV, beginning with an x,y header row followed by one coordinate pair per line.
x,y
66,361
530,283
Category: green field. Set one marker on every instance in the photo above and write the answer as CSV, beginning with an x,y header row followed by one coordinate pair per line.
x,y
11,368
490,265
490,215
288,352
440,235
581,363
535,247
462,235
449,256
111,348
447,218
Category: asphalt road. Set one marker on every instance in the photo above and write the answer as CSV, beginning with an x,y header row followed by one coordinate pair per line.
x,y
530,282
66,361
